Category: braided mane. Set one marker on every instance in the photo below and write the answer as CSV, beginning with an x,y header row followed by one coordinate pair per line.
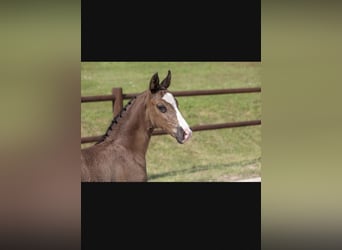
x,y
115,120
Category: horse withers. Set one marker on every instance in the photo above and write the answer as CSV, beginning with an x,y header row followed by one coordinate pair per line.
x,y
120,155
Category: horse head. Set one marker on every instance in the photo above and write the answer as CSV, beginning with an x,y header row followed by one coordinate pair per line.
x,y
163,110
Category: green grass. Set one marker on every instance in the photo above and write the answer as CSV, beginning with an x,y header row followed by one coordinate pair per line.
x,y
217,155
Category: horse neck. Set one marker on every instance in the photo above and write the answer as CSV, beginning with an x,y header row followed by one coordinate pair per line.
x,y
133,130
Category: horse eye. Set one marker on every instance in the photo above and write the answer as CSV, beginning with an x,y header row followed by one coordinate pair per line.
x,y
162,108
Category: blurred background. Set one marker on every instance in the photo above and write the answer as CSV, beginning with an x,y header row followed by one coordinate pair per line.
x,y
39,124
302,121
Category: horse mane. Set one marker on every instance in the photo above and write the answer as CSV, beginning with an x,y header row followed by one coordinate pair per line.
x,y
116,120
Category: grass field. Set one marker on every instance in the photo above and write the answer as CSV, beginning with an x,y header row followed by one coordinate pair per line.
x,y
217,155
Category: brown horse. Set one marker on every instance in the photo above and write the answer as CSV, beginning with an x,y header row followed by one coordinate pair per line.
x,y
120,155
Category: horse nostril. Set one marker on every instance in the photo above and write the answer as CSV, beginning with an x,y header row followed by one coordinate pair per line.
x,y
188,135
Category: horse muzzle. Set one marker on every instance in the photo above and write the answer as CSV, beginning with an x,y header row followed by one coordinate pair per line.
x,y
183,135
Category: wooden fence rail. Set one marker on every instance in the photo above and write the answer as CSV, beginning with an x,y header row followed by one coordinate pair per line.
x,y
117,98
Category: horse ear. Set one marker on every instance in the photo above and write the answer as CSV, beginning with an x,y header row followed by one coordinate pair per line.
x,y
167,81
154,83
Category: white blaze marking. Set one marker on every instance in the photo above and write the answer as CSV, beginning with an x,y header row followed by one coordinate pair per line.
x,y
182,123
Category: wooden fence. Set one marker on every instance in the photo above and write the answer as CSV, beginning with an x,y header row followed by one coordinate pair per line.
x,y
118,96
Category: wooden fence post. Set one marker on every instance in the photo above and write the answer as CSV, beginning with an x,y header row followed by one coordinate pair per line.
x,y
118,102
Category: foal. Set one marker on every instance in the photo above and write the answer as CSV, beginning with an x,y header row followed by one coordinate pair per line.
x,y
120,155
